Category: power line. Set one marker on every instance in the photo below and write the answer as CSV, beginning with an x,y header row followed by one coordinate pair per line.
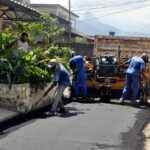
x,y
111,8
119,10
109,4
69,27
116,6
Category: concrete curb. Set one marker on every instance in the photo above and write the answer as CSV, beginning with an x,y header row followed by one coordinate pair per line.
x,y
6,115
147,136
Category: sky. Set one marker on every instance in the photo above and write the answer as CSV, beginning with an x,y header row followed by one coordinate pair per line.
x,y
128,15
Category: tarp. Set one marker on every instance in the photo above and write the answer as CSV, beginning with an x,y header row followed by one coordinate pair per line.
x,y
15,11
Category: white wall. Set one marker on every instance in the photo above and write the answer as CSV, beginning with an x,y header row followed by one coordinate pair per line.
x,y
24,1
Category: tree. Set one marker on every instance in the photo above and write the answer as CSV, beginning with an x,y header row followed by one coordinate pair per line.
x,y
81,40
30,67
46,28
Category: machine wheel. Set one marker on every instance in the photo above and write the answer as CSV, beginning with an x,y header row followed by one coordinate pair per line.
x,y
105,99
143,97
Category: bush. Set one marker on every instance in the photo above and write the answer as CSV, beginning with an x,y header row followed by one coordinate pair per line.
x,y
30,67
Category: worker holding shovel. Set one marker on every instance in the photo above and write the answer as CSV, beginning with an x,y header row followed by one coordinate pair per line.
x,y
62,79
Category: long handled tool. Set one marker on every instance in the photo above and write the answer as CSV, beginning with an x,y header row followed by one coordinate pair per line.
x,y
44,95
22,107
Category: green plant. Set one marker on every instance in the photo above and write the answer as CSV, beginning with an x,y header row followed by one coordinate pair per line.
x,y
5,46
47,28
30,67
81,40
61,54
26,68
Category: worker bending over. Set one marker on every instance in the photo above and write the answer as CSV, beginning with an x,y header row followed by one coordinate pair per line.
x,y
77,65
136,67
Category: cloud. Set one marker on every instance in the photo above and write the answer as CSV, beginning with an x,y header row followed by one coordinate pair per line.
x,y
132,20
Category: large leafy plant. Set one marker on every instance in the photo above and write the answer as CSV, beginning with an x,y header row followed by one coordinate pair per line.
x,y
30,67
24,69
5,46
61,54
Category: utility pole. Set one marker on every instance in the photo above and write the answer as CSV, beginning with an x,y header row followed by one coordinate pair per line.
x,y
118,53
1,18
69,27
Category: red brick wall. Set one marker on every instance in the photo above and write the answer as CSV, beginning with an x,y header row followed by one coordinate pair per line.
x,y
128,46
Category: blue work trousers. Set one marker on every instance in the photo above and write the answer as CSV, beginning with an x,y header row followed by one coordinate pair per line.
x,y
80,79
132,81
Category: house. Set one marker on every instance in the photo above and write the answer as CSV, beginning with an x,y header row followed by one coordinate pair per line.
x,y
125,46
62,17
26,2
89,39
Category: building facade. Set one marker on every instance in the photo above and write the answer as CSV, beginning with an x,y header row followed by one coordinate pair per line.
x,y
61,15
124,46
27,2
63,20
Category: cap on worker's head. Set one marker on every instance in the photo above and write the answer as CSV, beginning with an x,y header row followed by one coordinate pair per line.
x,y
53,63
72,53
144,56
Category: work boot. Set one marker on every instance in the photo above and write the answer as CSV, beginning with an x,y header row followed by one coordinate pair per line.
x,y
121,100
62,110
50,113
85,98
143,103
134,103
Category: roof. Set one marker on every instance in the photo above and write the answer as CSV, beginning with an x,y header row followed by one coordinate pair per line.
x,y
82,35
54,5
65,9
15,11
122,38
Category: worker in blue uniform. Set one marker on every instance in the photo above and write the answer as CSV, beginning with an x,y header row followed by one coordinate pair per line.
x,y
136,66
77,65
61,80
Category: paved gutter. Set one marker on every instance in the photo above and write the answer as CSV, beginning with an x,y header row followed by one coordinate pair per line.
x,y
7,114
147,137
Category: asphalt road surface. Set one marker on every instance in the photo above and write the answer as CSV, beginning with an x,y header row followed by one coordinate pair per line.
x,y
85,126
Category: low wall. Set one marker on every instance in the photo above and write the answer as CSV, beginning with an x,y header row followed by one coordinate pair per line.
x,y
79,48
23,98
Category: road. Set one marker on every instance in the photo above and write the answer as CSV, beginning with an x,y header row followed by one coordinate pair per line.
x,y
85,126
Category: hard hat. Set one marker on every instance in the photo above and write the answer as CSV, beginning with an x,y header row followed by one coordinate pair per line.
x,y
72,53
144,56
53,63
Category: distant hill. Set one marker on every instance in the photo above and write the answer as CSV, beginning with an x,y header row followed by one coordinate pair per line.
x,y
91,25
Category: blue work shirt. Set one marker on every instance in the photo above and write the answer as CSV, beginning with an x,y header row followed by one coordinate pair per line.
x,y
136,65
61,75
79,61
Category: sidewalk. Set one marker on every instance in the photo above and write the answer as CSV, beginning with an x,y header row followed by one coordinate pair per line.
x,y
7,114
147,136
